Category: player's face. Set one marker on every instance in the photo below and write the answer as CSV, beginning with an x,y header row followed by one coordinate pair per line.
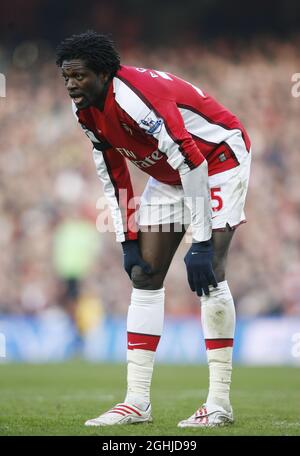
x,y
85,87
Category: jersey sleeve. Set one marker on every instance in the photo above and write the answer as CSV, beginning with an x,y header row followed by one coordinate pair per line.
x,y
184,155
160,118
113,172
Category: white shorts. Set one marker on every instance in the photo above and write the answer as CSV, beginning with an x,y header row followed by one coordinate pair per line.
x,y
163,204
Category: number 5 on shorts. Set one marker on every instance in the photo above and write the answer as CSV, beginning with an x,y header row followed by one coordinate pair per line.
x,y
216,197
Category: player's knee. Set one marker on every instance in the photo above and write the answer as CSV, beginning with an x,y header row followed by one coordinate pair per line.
x,y
221,242
219,269
219,275
144,281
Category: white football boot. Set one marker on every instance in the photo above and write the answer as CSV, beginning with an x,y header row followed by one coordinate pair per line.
x,y
122,414
208,416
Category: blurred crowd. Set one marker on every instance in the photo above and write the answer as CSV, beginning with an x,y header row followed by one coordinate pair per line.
x,y
49,187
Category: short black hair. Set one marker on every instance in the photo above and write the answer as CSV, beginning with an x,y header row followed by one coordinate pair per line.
x,y
96,50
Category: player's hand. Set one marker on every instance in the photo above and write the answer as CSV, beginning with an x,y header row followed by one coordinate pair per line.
x,y
132,257
198,261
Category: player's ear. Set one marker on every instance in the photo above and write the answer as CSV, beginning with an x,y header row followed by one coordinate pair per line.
x,y
104,77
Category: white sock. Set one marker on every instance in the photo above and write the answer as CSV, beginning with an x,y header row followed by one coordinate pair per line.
x,y
218,323
144,328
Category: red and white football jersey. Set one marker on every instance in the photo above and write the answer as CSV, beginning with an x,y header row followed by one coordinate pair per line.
x,y
163,125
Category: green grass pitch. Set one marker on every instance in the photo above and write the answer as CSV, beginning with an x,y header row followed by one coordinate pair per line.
x,y
56,399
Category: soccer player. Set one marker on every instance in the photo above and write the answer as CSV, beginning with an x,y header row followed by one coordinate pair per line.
x,y
197,155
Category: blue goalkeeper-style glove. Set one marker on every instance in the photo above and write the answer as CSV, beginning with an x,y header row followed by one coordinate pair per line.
x,y
132,257
198,261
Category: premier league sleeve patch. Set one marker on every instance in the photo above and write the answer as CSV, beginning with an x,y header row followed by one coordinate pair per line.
x,y
151,123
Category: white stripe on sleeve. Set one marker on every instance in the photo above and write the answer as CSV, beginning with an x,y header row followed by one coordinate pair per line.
x,y
197,197
109,192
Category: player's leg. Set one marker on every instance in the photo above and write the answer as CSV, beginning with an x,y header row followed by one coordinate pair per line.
x,y
144,325
218,324
217,309
158,245
146,312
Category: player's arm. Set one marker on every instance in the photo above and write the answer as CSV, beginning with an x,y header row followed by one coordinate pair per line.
x,y
184,155
161,119
113,172
165,123
114,175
